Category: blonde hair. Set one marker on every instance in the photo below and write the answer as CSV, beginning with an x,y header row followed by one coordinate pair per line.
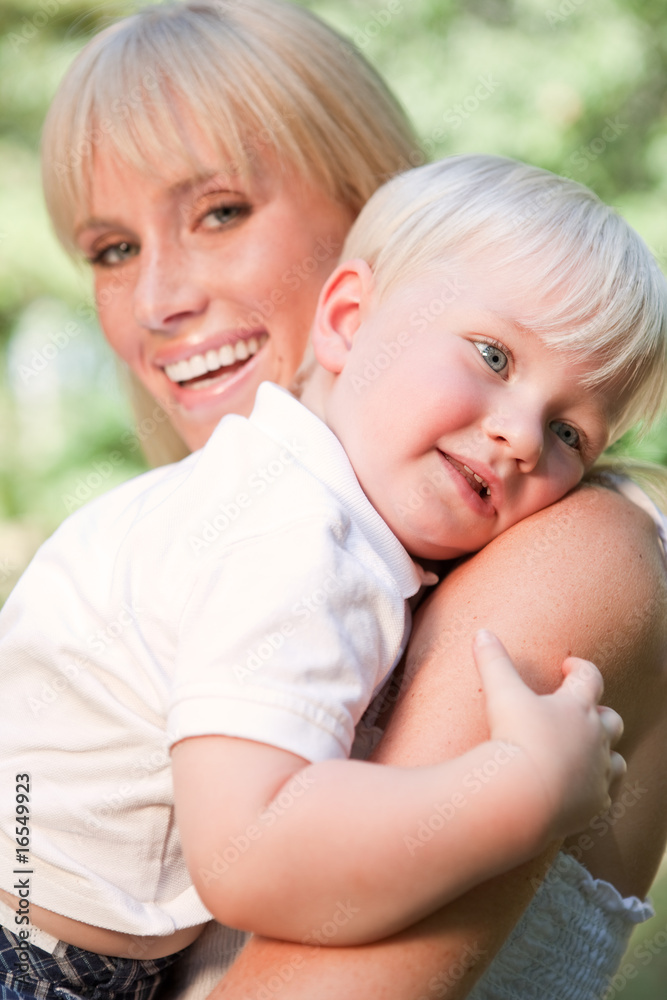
x,y
257,76
607,298
650,477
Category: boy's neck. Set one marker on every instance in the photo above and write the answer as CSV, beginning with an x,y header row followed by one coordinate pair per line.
x,y
315,392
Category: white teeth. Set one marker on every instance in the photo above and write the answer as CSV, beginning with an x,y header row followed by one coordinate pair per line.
x,y
211,361
198,365
473,478
478,479
182,371
227,356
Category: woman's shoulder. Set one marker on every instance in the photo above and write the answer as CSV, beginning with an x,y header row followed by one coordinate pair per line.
x,y
591,521
586,576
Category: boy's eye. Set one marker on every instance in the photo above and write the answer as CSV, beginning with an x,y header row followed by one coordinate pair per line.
x,y
494,356
117,253
565,432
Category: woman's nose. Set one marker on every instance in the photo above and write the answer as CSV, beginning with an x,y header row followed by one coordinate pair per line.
x,y
520,433
167,289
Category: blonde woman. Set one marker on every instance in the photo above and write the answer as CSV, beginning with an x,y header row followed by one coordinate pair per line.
x,y
208,160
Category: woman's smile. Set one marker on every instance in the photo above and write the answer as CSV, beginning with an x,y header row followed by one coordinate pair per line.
x,y
196,279
191,371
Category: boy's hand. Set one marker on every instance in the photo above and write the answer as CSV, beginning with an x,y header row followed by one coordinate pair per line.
x,y
566,736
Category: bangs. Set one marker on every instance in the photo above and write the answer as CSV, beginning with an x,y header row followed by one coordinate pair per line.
x,y
256,79
596,291
129,103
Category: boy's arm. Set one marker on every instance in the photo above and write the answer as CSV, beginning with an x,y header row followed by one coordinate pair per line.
x,y
373,849
584,575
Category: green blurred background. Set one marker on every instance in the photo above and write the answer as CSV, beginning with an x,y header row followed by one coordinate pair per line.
x,y
578,86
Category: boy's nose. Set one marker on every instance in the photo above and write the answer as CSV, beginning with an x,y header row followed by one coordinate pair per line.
x,y
520,434
166,290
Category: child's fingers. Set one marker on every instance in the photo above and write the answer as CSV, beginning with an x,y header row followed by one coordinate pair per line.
x,y
494,664
612,723
618,766
583,680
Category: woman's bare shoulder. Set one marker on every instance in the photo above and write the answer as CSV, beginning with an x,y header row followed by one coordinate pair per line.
x,y
584,577
589,532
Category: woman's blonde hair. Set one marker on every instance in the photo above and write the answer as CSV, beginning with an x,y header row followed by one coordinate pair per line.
x,y
601,295
258,77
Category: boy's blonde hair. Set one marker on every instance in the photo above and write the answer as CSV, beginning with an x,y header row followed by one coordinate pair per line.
x,y
607,298
257,77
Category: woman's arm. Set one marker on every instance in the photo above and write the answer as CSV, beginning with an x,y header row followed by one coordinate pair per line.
x,y
583,577
355,831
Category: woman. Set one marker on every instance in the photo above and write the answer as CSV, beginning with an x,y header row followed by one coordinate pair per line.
x,y
209,162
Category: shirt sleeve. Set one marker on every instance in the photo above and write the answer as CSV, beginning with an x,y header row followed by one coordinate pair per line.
x,y
285,638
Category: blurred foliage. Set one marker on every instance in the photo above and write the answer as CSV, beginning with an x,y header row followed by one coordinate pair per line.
x,y
577,86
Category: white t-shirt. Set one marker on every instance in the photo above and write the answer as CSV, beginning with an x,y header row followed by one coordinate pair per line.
x,y
250,590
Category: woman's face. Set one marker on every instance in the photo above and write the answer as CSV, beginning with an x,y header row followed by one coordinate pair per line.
x,y
206,284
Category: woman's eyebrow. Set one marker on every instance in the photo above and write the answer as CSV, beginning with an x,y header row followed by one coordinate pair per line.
x,y
96,223
186,187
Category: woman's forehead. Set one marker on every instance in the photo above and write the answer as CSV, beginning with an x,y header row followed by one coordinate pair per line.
x,y
175,180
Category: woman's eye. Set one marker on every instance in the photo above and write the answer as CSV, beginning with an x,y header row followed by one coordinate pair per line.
x,y
494,356
117,253
224,215
566,433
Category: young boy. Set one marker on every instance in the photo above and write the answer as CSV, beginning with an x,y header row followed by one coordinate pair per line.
x,y
492,328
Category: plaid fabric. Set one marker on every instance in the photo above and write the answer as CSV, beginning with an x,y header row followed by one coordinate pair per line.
x,y
72,973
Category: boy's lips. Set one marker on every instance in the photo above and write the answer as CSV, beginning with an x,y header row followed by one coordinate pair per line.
x,y
477,482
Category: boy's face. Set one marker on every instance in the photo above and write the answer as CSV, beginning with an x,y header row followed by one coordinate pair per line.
x,y
457,419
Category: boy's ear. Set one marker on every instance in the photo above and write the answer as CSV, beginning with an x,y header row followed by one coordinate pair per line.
x,y
341,309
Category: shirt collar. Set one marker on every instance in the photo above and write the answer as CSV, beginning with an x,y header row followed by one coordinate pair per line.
x,y
292,425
